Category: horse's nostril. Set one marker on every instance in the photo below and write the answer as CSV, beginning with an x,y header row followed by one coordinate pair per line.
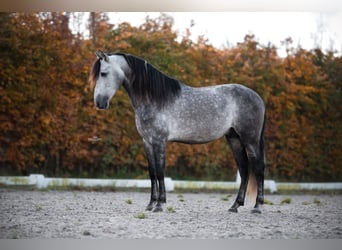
x,y
101,102
99,105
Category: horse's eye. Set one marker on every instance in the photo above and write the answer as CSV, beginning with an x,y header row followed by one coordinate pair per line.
x,y
103,74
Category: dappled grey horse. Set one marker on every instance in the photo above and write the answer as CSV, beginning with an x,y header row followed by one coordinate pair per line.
x,y
168,110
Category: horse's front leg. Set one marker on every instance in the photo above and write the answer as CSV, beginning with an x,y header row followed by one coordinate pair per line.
x,y
153,175
156,166
159,156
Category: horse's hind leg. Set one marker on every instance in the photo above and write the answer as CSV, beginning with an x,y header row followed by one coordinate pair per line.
x,y
241,159
256,157
258,164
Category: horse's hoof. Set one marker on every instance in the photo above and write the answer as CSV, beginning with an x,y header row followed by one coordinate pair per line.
x,y
149,207
256,210
233,210
158,209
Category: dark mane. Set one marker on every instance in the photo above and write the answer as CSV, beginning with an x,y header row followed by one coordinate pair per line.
x,y
94,73
149,84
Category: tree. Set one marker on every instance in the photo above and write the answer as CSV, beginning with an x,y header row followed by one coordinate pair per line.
x,y
48,120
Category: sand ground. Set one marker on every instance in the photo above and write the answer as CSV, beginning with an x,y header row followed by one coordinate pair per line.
x,y
122,215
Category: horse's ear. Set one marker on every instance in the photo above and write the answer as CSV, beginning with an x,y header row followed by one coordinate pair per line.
x,y
101,55
98,54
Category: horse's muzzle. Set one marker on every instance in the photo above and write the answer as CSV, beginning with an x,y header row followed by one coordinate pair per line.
x,y
102,102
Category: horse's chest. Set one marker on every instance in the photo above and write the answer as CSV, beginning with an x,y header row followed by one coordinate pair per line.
x,y
150,126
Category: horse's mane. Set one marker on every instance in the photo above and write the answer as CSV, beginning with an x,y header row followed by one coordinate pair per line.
x,y
94,73
148,83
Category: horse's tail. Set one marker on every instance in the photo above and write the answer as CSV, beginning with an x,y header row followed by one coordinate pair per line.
x,y
262,142
252,187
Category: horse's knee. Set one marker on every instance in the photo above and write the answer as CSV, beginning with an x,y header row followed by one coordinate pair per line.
x,y
251,153
255,159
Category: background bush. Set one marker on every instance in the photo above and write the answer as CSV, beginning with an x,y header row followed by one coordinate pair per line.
x,y
47,113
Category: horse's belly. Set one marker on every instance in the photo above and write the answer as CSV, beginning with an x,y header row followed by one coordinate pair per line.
x,y
200,115
197,131
194,139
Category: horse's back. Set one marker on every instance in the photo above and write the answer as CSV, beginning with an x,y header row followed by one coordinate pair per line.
x,y
227,98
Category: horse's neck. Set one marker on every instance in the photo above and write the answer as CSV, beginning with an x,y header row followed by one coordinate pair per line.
x,y
128,89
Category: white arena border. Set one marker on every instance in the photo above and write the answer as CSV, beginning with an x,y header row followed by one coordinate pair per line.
x,y
41,182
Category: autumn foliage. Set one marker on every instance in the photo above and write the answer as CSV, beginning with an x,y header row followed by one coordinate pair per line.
x,y
47,115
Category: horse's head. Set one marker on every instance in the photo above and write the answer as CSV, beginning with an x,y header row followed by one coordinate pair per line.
x,y
106,76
